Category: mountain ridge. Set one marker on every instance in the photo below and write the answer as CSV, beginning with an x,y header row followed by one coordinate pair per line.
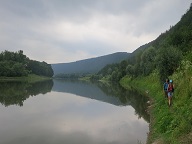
x,y
91,65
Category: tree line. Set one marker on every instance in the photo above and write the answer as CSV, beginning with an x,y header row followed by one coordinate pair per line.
x,y
16,64
163,55
71,75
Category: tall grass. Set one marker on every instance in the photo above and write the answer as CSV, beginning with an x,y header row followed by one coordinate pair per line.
x,y
170,125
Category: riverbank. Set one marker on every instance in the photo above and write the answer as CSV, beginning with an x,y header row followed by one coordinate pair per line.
x,y
32,78
168,125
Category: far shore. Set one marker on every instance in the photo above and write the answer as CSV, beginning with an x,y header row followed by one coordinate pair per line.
x,y
30,78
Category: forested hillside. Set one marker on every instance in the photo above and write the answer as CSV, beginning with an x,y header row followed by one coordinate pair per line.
x,y
168,56
165,54
16,64
87,66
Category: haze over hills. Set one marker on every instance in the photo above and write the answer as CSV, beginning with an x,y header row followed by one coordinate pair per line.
x,y
177,37
92,65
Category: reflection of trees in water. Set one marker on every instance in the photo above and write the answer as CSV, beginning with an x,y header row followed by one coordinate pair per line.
x,y
128,97
15,93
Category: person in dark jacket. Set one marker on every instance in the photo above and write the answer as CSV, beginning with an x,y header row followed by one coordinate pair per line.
x,y
165,88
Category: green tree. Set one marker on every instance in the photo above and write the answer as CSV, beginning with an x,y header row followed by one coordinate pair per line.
x,y
123,66
17,64
168,61
130,70
147,63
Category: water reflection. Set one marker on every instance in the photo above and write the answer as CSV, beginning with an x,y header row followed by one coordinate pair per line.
x,y
16,92
71,113
110,93
128,97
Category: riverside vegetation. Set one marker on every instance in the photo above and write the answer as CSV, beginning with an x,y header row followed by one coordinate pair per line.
x,y
168,125
17,66
169,56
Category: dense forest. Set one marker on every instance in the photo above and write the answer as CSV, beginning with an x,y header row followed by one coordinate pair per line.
x,y
169,56
163,55
16,64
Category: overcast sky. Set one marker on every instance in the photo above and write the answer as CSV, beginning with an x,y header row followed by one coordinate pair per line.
x,y
60,31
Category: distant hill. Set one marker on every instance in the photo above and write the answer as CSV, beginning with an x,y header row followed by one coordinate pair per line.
x,y
91,65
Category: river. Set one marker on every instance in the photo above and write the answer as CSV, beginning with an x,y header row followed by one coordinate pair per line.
x,y
71,112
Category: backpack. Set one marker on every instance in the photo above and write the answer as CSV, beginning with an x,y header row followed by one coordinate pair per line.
x,y
165,85
170,88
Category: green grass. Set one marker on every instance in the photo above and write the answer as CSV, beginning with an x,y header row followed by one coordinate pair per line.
x,y
86,78
30,78
169,125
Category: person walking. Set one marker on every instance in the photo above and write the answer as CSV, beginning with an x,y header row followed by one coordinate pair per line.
x,y
170,91
165,88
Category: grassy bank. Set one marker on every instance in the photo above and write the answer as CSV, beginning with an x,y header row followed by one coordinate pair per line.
x,y
168,125
32,78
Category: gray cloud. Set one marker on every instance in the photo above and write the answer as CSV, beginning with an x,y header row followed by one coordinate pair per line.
x,y
64,31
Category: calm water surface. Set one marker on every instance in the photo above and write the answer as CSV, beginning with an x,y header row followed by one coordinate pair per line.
x,y
71,112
